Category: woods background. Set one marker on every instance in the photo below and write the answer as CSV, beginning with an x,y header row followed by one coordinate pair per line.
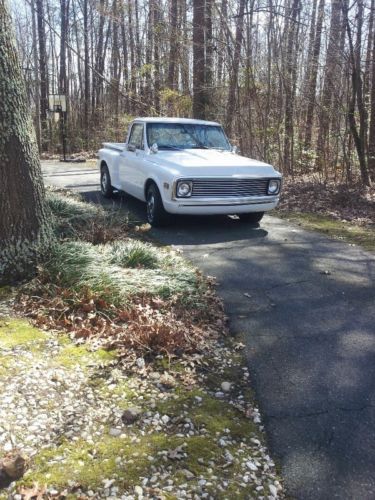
x,y
293,81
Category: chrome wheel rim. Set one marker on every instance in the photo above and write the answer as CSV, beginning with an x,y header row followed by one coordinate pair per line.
x,y
150,206
104,182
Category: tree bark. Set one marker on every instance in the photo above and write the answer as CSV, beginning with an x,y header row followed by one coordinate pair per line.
x,y
290,87
356,94
330,78
173,46
231,103
36,79
313,70
24,228
42,74
371,145
86,71
199,104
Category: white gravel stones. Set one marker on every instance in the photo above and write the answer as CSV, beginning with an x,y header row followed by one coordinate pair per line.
x,y
226,386
41,402
138,491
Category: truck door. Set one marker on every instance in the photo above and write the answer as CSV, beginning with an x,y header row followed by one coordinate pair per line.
x,y
131,162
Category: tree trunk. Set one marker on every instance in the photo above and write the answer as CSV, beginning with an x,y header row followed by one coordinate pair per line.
x,y
231,103
356,95
99,62
24,228
313,70
371,145
173,46
199,94
36,79
330,79
87,72
209,62
157,43
290,87
42,74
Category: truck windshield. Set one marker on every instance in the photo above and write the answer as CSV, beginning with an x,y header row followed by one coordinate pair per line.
x,y
186,136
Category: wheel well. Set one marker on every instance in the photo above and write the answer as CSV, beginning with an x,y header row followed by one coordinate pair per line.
x,y
148,184
103,164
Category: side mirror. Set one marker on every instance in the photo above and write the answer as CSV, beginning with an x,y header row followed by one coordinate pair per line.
x,y
131,148
154,148
235,150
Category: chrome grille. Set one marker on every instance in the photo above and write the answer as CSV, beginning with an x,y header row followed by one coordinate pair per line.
x,y
229,188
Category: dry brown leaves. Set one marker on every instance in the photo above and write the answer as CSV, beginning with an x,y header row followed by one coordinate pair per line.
x,y
148,325
353,203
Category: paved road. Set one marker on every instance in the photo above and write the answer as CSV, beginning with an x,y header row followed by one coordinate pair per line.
x,y
305,307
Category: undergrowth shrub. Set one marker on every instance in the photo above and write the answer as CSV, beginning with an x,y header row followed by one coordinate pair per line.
x,y
74,218
134,254
126,293
80,265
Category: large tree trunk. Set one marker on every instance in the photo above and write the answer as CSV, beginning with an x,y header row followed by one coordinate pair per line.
x,y
24,228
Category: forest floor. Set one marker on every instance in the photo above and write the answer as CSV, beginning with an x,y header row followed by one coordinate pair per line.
x,y
113,391
338,210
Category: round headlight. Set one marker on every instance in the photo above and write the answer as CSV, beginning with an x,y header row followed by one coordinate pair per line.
x,y
184,189
273,186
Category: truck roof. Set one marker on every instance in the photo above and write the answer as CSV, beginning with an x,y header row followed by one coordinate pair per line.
x,y
175,120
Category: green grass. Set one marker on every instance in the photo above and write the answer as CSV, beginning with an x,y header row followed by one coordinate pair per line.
x,y
102,269
72,216
135,254
352,233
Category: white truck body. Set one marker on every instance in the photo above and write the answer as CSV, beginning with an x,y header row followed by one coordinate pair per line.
x,y
221,181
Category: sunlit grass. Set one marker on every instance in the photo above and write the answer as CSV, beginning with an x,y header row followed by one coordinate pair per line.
x,y
351,233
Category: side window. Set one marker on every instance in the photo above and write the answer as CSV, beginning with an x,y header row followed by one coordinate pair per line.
x,y
136,136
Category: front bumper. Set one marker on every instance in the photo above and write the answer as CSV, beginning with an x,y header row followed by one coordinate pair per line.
x,y
224,206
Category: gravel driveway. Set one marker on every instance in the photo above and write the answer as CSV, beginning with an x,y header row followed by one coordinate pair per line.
x,y
304,306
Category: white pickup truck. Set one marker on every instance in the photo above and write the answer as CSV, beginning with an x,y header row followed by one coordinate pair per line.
x,y
182,166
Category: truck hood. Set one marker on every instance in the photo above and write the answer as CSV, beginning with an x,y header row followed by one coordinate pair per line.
x,y
191,162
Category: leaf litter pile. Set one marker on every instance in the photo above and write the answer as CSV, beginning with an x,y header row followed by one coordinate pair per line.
x,y
351,203
170,415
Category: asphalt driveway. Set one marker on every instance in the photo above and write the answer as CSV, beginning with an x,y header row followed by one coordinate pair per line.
x,y
304,305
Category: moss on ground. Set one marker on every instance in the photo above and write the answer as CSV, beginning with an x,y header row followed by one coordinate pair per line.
x,y
214,415
14,332
89,465
352,233
71,355
128,458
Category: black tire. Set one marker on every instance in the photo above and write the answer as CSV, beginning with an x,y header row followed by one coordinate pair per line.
x,y
252,217
105,182
156,214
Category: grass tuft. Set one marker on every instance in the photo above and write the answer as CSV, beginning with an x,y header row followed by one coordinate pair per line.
x,y
134,254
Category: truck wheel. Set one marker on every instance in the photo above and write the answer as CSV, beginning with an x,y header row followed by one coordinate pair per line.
x,y
105,182
252,217
156,214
